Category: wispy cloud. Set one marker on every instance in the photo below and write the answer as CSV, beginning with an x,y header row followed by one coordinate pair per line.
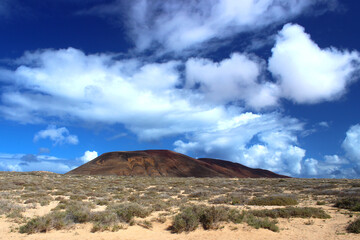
x,y
175,26
57,135
31,162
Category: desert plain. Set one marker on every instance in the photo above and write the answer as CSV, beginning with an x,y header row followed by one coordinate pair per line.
x,y
44,205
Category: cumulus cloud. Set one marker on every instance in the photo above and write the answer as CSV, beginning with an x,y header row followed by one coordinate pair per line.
x,y
330,166
57,135
98,88
351,144
335,166
232,140
153,101
88,156
234,79
305,72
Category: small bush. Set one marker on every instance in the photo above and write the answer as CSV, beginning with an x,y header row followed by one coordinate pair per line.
x,y
11,210
187,221
235,216
273,201
104,220
354,227
209,217
199,194
102,202
78,212
265,223
351,203
126,212
78,197
288,212
145,224
54,220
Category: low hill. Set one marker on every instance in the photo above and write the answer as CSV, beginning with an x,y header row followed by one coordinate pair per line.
x,y
168,164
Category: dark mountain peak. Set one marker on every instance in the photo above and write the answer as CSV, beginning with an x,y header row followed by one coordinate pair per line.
x,y
166,163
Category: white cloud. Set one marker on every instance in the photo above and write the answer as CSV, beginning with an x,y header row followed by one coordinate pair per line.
x,y
98,88
57,135
335,166
351,144
177,26
310,167
234,79
235,140
88,156
331,166
30,162
307,73
324,124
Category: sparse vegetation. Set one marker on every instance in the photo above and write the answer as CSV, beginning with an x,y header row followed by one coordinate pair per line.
x,y
351,203
112,203
210,217
273,201
54,220
262,223
291,212
354,227
12,210
126,212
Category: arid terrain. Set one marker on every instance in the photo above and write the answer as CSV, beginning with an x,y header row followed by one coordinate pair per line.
x,y
43,205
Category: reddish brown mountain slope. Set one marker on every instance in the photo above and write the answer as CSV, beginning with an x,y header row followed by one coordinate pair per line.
x,y
166,163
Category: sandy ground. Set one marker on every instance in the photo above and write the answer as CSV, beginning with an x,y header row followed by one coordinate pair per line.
x,y
318,229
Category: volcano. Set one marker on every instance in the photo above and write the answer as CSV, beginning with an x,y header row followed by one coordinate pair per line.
x,y
167,164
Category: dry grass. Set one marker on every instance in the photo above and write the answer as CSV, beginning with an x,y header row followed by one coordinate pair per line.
x,y
185,204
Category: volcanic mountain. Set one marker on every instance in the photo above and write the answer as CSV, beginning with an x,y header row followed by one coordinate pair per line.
x,y
168,164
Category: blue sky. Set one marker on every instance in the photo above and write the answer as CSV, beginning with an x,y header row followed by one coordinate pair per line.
x,y
268,84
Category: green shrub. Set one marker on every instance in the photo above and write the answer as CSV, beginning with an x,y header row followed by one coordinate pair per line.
x,y
11,210
235,216
273,201
288,212
350,203
354,227
127,211
189,219
265,223
104,220
78,212
209,217
78,197
54,220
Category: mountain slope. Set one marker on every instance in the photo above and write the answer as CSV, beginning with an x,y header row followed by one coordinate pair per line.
x,y
166,163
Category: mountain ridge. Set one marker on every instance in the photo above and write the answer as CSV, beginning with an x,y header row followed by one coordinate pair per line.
x,y
166,163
